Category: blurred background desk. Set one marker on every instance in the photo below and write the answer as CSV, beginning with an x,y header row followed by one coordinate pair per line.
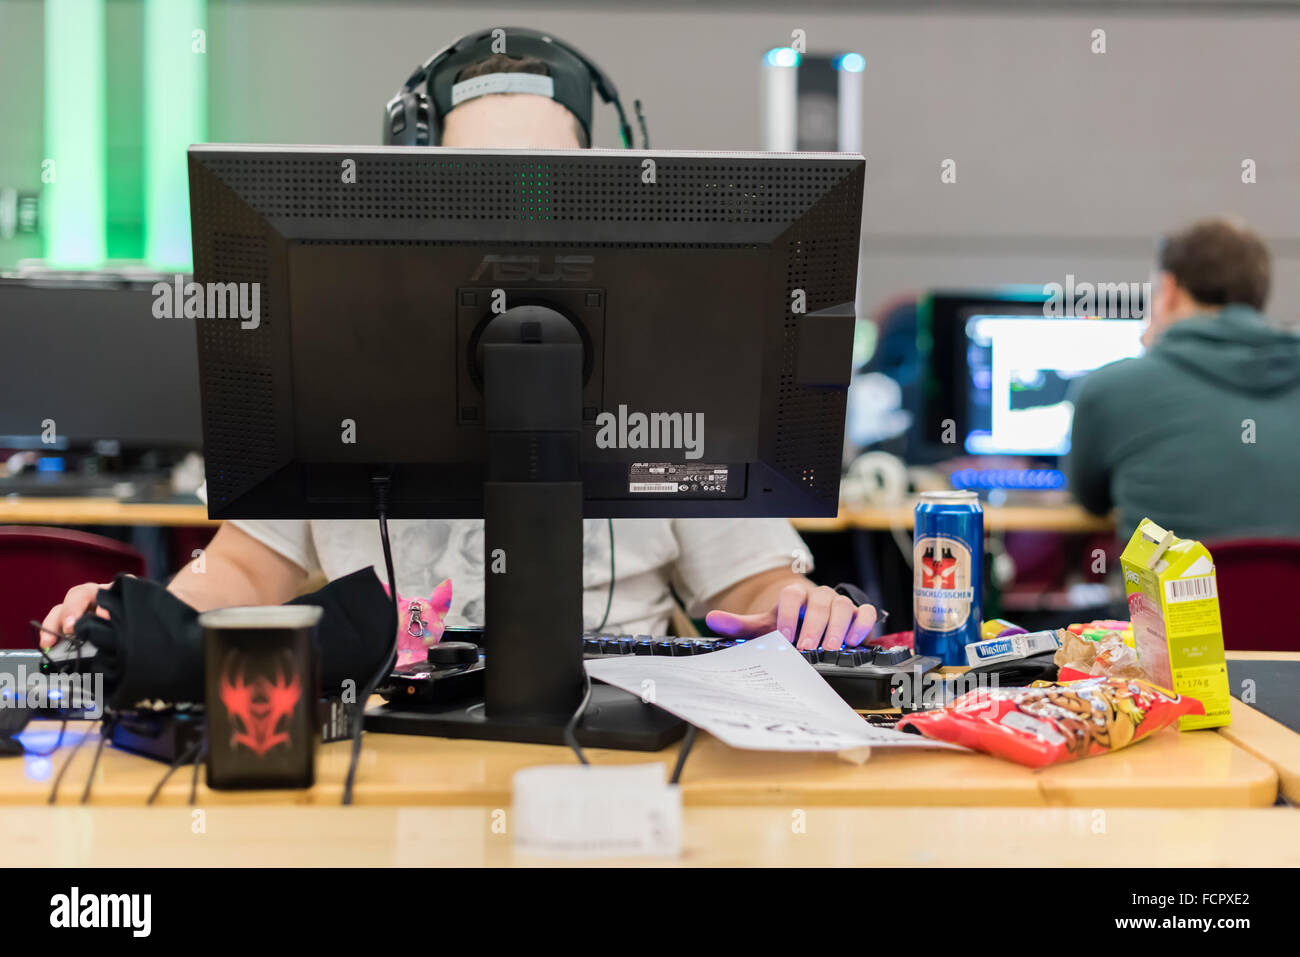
x,y
1006,518
101,511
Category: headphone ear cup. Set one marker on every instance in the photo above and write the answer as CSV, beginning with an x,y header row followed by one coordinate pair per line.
x,y
425,132
406,120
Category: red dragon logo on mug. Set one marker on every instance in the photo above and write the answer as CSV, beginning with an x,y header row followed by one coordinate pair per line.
x,y
256,708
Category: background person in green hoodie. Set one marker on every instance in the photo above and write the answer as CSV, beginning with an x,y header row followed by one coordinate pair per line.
x,y
1201,433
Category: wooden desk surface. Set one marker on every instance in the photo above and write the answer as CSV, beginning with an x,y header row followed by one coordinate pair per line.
x,y
101,511
1171,770
712,837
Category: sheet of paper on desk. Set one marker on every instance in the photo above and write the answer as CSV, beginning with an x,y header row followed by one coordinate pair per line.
x,y
762,695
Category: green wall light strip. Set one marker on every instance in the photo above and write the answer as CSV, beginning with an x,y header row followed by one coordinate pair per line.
x,y
72,170
176,115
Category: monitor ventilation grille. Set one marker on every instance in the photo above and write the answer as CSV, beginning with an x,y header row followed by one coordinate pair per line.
x,y
810,436
240,428
314,187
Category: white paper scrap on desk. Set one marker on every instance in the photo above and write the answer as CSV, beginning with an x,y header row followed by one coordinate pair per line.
x,y
576,810
762,696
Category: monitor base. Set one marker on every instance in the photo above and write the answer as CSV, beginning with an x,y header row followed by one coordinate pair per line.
x,y
614,718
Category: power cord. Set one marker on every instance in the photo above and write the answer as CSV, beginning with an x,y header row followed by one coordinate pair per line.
x,y
105,731
198,760
571,729
609,599
382,484
190,754
58,778
63,724
687,743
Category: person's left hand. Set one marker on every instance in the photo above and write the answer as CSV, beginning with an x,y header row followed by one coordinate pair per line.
x,y
829,619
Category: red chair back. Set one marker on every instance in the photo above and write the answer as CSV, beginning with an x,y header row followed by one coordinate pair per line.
x,y
38,565
1255,577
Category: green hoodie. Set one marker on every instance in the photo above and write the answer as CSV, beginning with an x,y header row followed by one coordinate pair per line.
x,y
1201,434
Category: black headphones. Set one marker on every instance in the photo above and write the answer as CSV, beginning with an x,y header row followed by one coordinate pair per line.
x,y
414,116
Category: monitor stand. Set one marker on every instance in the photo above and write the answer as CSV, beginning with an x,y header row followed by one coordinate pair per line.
x,y
531,362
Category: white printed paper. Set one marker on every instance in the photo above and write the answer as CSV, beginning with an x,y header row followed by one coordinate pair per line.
x,y
597,811
762,695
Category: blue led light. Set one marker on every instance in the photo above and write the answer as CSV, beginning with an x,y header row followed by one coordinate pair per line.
x,y
1008,479
781,56
851,63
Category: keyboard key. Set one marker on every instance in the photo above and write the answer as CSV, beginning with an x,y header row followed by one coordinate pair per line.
x,y
891,656
643,646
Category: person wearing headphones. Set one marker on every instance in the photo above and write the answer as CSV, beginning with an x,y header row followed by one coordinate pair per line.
x,y
742,572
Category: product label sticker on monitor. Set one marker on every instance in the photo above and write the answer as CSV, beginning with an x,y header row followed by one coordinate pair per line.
x,y
1021,371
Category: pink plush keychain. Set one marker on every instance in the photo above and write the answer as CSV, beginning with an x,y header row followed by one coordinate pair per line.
x,y
420,622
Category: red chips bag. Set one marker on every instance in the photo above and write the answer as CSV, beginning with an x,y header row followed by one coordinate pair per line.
x,y
1050,723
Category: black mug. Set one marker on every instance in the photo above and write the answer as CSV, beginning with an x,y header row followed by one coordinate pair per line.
x,y
262,683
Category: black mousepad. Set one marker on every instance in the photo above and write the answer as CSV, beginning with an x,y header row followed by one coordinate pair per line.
x,y
1275,688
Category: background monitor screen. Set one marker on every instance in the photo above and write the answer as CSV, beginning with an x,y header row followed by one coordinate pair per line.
x,y
1021,370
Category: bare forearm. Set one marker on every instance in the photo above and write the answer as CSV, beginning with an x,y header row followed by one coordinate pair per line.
x,y
783,600
235,569
758,593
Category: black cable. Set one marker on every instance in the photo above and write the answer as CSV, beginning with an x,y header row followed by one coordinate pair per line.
x,y
609,599
381,486
687,743
570,729
190,754
58,778
640,117
63,725
203,753
105,729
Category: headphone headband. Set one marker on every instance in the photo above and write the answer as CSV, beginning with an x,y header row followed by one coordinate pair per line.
x,y
414,116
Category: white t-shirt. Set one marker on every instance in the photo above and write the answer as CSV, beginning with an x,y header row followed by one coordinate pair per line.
x,y
698,557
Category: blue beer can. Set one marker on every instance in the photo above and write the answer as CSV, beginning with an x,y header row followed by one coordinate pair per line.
x,y
947,574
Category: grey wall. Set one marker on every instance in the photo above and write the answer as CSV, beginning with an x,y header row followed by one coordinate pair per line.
x,y
1067,161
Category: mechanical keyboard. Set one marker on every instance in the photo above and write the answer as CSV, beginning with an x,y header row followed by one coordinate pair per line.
x,y
862,676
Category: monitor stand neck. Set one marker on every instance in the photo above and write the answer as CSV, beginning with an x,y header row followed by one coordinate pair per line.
x,y
532,511
532,365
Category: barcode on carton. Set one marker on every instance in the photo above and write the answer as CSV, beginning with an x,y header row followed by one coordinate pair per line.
x,y
1190,589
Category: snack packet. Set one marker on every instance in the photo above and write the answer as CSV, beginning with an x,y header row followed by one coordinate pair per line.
x,y
1115,659
1050,723
1076,652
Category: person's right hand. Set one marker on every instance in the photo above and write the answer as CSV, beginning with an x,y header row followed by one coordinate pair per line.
x,y
78,600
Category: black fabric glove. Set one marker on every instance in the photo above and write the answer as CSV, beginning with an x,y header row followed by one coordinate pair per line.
x,y
151,645
852,592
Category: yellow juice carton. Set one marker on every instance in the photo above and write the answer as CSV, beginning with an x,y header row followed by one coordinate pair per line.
x,y
1173,599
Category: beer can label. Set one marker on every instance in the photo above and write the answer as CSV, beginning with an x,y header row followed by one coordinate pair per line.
x,y
942,583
